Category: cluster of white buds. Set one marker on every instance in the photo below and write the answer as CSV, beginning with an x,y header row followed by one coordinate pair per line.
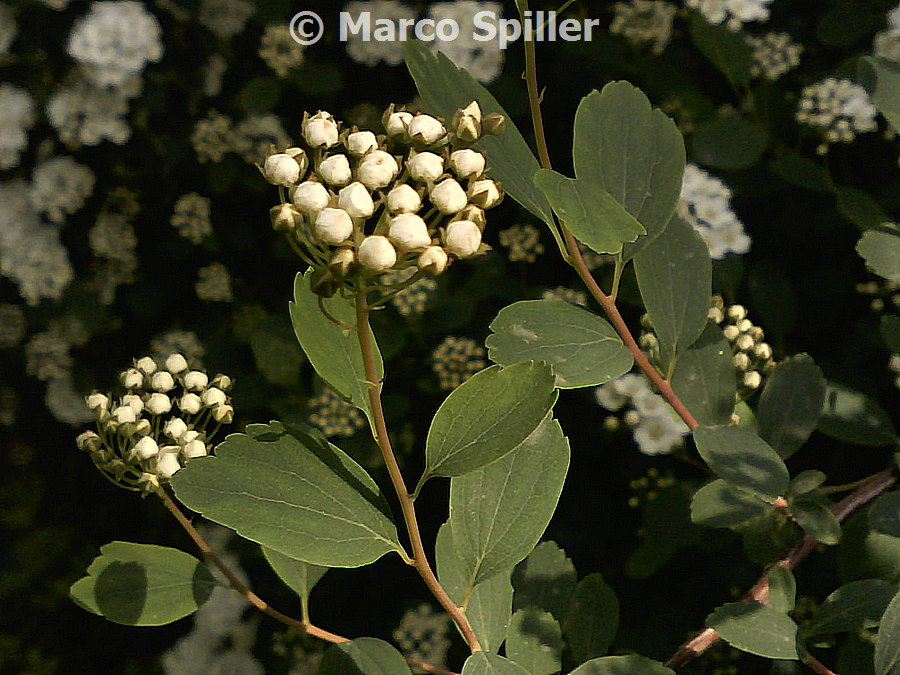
x,y
355,204
167,416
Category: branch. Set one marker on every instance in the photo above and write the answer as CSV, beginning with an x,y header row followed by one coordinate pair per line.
x,y
420,560
706,638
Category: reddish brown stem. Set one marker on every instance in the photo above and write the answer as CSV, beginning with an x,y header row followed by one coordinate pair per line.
x,y
817,666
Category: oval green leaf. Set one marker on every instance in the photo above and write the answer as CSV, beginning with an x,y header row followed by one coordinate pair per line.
x,y
363,656
704,378
887,650
813,515
790,404
143,585
545,579
881,249
485,663
592,619
782,589
299,576
622,665
721,504
534,641
853,607
884,514
757,629
743,459
853,417
730,142
581,347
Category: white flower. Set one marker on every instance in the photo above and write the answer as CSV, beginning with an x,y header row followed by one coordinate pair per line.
x,y
483,60
175,428
774,54
887,42
425,167
426,129
433,259
335,170
196,380
190,403
370,52
736,12
467,163
162,381
282,169
608,396
377,169
376,253
448,196
333,226
403,199
408,231
841,108
59,187
356,200
320,130
97,402
360,142
659,435
159,404
167,462
176,363
485,193
8,29
213,397
115,40
397,124
132,378
146,365
311,197
462,238
16,117
644,21
706,204
85,114
146,448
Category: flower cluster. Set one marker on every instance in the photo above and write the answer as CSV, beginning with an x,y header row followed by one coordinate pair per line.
x,y
411,299
884,293
16,117
12,325
656,427
191,217
225,18
279,50
573,296
523,242
774,54
752,356
887,42
356,204
333,415
59,187
457,359
214,283
8,29
85,114
647,487
706,204
840,108
167,416
423,635
644,21
734,13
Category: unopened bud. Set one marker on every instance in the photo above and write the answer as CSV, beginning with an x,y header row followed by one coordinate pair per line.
x,y
190,403
146,448
448,196
221,381
159,404
97,402
433,260
403,199
333,226
467,163
223,414
360,142
282,169
167,463
283,217
162,381
493,124
320,130
426,129
377,169
377,253
132,378
408,231
335,170
752,380
176,363
175,428
146,365
214,397
397,123
89,441
485,193
194,449
134,402
310,197
196,380
467,122
462,238
341,262
356,200
125,414
425,167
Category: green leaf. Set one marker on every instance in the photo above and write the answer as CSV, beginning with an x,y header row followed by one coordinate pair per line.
x,y
592,619
806,481
593,215
534,642
886,96
622,665
143,585
757,629
853,417
860,208
674,274
724,48
855,606
545,579
802,172
790,404
730,142
867,553
704,378
485,663
363,656
881,249
582,348
782,589
302,497
299,576
332,350
884,514
445,88
721,504
498,513
487,417
743,459
887,650
276,353
632,151
816,519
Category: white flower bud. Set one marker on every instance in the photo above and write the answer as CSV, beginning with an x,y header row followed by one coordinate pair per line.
x,y
134,402
97,402
333,225
146,365
320,130
194,449
213,397
467,122
142,427
763,351
310,197
176,363
377,169
462,238
335,170
408,231
377,253
360,142
188,436
132,378
196,380
433,260
149,482
162,380
283,217
356,200
752,379
426,129
731,332
282,169
425,167
167,463
485,193
467,163
221,381
223,414
744,342
146,448
341,262
175,428
403,199
159,404
89,441
125,414
190,403
398,124
448,196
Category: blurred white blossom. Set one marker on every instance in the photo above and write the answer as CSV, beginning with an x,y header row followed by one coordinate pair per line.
x,y
734,13
774,54
85,114
370,52
887,42
8,28
841,109
706,204
225,18
644,21
16,117
483,60
59,187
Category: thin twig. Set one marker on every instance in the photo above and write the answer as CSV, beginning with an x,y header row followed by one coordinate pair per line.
x,y
817,666
420,560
